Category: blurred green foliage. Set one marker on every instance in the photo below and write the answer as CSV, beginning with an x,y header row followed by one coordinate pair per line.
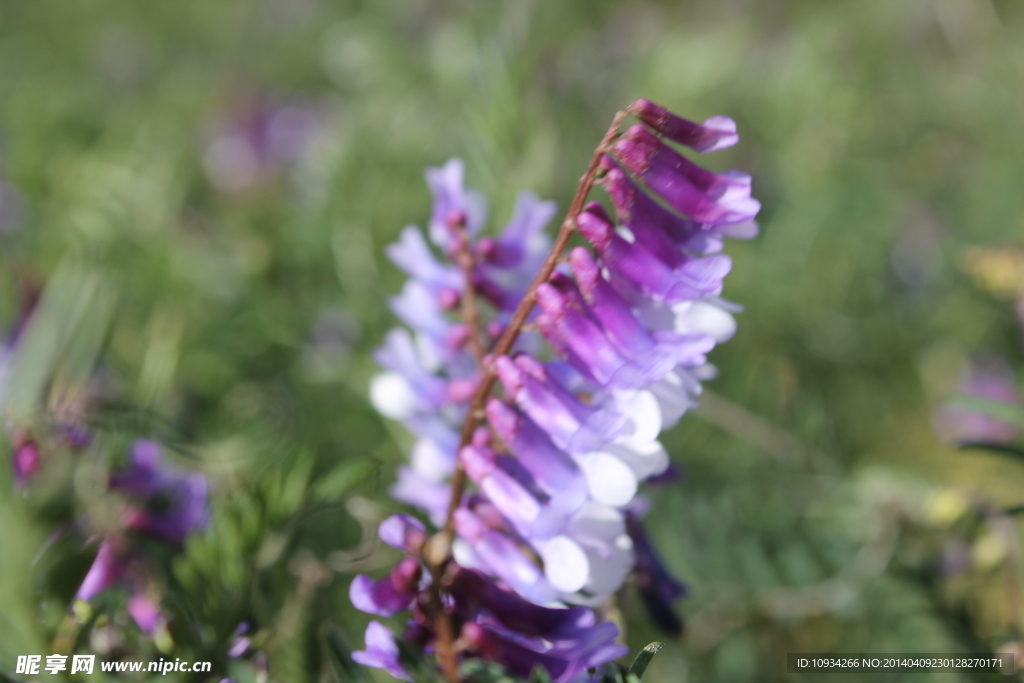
x,y
235,306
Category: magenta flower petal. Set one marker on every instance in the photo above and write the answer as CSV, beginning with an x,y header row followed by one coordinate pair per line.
x,y
390,595
106,569
716,133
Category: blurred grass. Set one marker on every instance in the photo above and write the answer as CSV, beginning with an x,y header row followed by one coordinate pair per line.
x,y
884,138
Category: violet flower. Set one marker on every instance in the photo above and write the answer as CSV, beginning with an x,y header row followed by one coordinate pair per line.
x,y
162,504
257,139
615,353
381,651
165,503
991,380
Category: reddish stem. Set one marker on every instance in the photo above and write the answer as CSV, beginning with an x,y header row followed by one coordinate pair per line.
x,y
446,650
470,311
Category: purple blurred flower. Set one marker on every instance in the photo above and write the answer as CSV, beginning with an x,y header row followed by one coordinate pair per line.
x,y
257,139
106,569
990,380
164,503
25,461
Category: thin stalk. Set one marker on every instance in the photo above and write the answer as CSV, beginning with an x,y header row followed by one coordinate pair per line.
x,y
439,553
470,311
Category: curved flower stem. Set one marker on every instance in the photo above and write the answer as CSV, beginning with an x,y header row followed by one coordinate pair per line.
x,y
439,548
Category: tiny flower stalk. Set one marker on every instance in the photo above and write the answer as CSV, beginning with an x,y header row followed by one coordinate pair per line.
x,y
596,350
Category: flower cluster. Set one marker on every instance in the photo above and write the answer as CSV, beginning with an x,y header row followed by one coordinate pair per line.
x,y
613,352
161,504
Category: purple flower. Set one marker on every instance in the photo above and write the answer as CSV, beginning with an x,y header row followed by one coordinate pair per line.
x,y
164,503
570,424
454,205
403,532
716,133
106,569
691,279
990,380
25,461
517,614
615,353
689,189
390,595
257,139
146,613
412,254
563,662
381,651
522,242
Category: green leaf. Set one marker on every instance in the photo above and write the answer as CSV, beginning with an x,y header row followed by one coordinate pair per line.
x,y
639,665
64,336
342,479
1000,448
348,670
540,675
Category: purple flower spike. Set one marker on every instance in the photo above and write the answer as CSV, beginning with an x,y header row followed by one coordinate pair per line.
x,y
716,133
694,279
554,465
381,651
689,189
390,595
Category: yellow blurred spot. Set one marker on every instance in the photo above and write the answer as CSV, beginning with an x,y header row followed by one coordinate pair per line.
x,y
944,508
82,611
163,641
998,271
988,551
